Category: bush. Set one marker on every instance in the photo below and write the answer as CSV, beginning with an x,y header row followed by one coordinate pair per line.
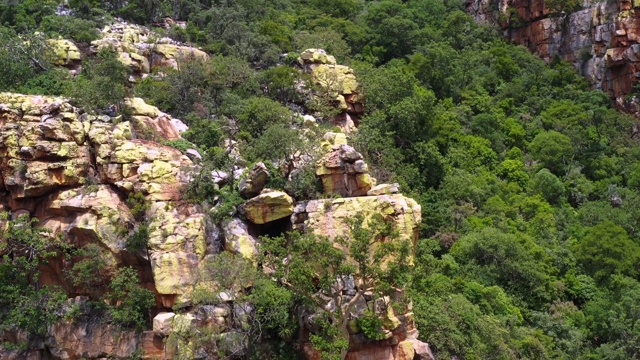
x,y
204,132
24,305
371,326
91,272
138,240
129,302
304,183
102,84
50,82
69,27
261,113
548,186
138,205
180,144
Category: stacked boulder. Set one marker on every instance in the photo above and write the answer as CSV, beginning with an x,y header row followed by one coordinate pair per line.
x,y
338,82
74,171
142,50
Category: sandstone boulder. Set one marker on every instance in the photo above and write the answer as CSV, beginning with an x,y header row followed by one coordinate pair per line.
x,y
329,217
344,172
268,206
339,84
384,189
64,52
254,181
238,240
76,340
162,323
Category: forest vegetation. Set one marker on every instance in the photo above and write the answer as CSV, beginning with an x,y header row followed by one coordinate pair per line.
x,y
529,181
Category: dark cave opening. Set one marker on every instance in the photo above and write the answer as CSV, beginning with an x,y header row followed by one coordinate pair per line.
x,y
272,228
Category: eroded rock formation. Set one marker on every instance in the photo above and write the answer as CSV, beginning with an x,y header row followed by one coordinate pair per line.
x,y
100,179
339,84
601,39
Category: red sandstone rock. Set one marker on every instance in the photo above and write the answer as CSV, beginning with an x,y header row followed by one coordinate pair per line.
x,y
602,40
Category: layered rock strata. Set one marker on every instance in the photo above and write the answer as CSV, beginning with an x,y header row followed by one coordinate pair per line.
x,y
75,171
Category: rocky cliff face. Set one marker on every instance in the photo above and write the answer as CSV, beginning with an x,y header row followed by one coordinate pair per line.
x,y
76,174
601,39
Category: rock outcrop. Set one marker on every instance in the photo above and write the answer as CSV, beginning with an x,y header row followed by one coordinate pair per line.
x,y
268,206
343,172
601,39
330,217
74,172
98,179
142,50
338,84
65,53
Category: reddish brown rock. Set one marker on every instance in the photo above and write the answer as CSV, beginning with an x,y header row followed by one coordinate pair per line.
x,y
344,172
601,40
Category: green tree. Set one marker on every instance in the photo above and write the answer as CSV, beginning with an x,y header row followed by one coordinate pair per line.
x,y
129,302
547,185
24,305
260,113
102,84
606,250
553,149
515,263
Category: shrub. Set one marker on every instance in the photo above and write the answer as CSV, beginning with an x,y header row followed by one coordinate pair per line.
x,y
260,113
138,205
371,326
304,183
22,59
101,85
69,27
138,240
91,272
129,302
180,144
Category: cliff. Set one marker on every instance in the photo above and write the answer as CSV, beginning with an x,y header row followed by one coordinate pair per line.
x,y
95,179
600,38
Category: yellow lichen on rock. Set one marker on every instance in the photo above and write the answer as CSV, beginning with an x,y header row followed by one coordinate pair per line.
x,y
143,50
238,240
64,52
268,206
330,217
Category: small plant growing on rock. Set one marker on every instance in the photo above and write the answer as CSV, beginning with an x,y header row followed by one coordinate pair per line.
x,y
138,205
138,240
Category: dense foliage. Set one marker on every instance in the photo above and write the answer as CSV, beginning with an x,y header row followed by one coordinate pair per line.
x,y
528,180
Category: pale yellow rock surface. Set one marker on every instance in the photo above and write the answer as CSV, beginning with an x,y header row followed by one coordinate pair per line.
x,y
137,106
64,52
344,172
329,217
268,206
339,86
177,244
46,146
163,323
143,50
238,240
